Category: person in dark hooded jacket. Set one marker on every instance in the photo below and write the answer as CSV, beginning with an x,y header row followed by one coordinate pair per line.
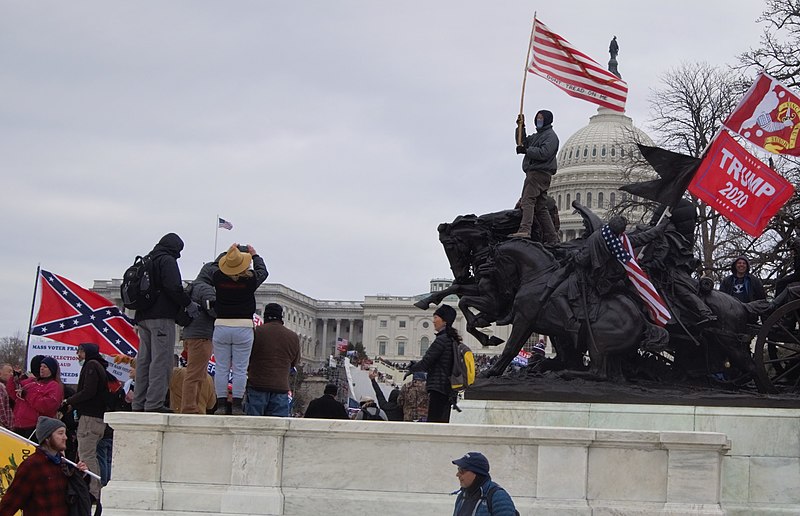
x,y
394,412
741,284
90,402
157,327
539,165
197,338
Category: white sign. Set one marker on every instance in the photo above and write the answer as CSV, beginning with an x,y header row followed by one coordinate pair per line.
x,y
67,357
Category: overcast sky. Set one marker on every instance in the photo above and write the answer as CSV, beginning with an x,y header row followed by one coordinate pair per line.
x,y
334,135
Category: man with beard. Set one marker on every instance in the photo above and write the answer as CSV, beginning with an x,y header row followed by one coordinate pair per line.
x,y
39,487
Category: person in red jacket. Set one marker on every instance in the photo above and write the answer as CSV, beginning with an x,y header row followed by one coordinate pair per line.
x,y
39,487
37,396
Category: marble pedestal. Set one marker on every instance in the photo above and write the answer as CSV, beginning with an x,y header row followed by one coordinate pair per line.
x,y
184,464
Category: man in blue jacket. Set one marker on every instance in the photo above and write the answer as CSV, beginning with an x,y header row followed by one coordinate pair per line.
x,y
479,495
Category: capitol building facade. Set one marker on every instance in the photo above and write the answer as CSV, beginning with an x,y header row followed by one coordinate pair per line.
x,y
388,326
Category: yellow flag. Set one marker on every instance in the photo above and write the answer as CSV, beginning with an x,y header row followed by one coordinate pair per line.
x,y
13,450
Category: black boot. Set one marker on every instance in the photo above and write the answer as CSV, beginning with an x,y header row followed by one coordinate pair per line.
x,y
222,404
236,407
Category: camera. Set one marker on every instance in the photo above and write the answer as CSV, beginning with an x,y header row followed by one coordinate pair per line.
x,y
243,248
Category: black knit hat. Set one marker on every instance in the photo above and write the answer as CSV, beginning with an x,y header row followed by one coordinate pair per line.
x,y
447,313
273,312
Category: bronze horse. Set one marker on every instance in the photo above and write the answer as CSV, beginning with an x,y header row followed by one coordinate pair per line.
x,y
505,280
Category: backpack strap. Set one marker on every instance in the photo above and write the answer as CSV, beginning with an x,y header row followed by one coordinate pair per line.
x,y
489,495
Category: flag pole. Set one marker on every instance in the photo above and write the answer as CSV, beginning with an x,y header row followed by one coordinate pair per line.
x,y
521,119
9,433
30,320
216,233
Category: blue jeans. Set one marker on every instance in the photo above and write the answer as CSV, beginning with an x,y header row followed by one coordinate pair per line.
x,y
104,447
260,403
232,346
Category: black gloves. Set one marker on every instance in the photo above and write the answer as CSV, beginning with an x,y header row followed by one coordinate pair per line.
x,y
521,149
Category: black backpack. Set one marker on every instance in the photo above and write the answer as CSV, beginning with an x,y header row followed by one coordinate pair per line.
x,y
138,289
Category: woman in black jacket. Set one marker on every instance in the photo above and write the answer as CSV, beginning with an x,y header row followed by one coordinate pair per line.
x,y
235,283
438,363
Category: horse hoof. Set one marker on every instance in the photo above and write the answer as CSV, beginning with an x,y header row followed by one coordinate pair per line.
x,y
422,304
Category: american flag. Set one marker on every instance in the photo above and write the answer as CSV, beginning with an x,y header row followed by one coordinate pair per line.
x,y
224,224
622,250
555,59
72,315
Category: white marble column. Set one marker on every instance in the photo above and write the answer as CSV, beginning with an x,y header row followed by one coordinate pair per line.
x,y
325,349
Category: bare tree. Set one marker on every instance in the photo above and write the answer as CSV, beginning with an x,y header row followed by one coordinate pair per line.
x,y
686,111
12,350
778,52
778,55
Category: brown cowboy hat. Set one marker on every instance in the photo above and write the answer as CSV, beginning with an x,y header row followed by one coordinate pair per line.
x,y
234,262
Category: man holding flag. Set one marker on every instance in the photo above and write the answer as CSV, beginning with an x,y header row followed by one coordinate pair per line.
x,y
39,487
539,165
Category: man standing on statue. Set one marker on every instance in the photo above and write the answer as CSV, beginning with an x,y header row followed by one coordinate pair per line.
x,y
539,165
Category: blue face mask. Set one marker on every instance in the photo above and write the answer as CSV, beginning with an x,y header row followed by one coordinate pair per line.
x,y
539,124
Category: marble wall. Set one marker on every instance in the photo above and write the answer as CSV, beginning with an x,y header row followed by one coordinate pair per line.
x,y
182,464
760,472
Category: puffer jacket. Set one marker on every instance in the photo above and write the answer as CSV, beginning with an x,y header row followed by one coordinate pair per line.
x,y
502,505
42,398
541,147
202,292
438,363
167,277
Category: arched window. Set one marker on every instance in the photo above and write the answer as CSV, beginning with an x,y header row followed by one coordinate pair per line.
x,y
585,151
613,151
622,152
612,201
600,200
603,151
559,202
570,153
569,203
624,197
594,150
423,345
588,199
401,347
578,197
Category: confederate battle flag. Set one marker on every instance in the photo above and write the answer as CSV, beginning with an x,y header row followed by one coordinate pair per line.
x,y
768,116
73,315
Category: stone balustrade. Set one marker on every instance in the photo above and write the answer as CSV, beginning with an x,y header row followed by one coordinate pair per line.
x,y
177,465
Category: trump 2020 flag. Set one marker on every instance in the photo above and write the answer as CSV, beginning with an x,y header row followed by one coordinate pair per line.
x,y
768,116
72,315
739,186
555,59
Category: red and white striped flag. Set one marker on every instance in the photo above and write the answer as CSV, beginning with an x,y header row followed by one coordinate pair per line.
x,y
622,250
555,59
